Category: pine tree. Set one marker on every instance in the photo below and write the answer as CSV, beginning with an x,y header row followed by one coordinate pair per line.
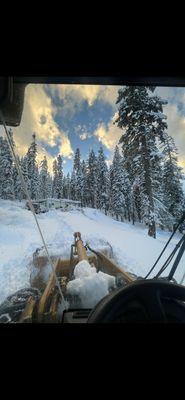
x,y
173,197
79,185
102,181
17,182
49,183
55,178
59,186
136,195
1,172
140,114
129,211
43,179
84,184
33,169
73,185
117,198
6,170
37,182
24,169
68,186
77,162
92,179
77,168
64,188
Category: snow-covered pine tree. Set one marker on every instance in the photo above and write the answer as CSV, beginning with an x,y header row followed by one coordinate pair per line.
x,y
140,114
33,169
173,196
73,185
17,182
49,180
77,161
68,186
6,170
37,181
55,178
24,169
77,167
102,182
64,188
110,206
79,185
136,195
43,179
85,185
59,187
1,172
92,179
117,198
127,192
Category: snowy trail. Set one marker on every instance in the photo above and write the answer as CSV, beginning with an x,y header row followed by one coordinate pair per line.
x,y
133,248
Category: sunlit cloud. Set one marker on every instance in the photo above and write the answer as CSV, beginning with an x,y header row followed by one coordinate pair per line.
x,y
88,92
83,136
38,117
73,96
65,147
110,136
176,129
47,106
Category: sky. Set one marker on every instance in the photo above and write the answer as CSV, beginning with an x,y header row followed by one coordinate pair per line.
x,y
65,117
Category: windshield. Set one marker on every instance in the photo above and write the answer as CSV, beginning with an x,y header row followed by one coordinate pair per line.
x,y
105,161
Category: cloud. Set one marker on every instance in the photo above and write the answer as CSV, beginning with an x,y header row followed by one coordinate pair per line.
x,y
65,147
76,92
38,117
108,136
175,112
41,109
84,136
73,96
88,92
109,94
176,129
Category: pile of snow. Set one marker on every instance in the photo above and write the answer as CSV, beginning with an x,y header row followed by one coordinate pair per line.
x,y
89,285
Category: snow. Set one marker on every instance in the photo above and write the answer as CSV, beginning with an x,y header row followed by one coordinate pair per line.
x,y
89,285
183,185
133,249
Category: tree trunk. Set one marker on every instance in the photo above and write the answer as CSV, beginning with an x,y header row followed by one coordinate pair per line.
x,y
152,229
133,218
148,187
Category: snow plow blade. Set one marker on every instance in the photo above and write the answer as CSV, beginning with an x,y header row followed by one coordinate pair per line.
x,y
46,309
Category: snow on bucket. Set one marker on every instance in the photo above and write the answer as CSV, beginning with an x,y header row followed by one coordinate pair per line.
x,y
89,286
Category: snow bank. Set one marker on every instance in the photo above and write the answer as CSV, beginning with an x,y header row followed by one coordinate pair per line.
x,y
89,285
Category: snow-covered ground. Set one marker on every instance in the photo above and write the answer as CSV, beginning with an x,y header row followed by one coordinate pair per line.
x,y
133,249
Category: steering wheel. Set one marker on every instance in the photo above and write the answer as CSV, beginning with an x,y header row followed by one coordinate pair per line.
x,y
142,301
